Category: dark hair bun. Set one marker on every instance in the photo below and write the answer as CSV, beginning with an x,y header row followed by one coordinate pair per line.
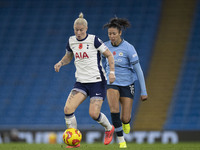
x,y
119,23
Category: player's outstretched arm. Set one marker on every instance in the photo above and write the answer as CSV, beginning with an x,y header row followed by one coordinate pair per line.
x,y
140,75
64,61
111,62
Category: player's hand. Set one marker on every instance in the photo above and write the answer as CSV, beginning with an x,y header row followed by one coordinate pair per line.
x,y
57,66
144,97
111,78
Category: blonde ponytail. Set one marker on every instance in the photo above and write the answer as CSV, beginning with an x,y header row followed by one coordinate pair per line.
x,y
81,15
81,20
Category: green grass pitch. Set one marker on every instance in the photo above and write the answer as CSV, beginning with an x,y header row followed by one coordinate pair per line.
x,y
101,146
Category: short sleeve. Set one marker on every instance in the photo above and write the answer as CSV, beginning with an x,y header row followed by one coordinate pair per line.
x,y
97,42
68,47
99,45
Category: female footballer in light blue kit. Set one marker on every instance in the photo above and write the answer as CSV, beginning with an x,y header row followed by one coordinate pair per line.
x,y
127,71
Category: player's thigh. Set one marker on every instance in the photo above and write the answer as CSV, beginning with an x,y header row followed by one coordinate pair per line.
x,y
74,99
126,108
113,100
95,107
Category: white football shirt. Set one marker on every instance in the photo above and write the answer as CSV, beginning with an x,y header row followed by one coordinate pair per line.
x,y
87,54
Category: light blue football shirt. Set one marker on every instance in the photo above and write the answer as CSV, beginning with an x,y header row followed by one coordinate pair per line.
x,y
125,56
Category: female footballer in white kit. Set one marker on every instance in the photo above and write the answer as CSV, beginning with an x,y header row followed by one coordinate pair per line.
x,y
90,76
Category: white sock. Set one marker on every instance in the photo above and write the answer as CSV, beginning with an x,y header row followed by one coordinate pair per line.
x,y
120,139
71,121
103,120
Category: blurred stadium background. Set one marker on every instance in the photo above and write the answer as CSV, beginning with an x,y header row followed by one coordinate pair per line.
x,y
33,36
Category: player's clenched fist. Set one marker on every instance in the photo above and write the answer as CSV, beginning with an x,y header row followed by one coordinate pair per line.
x,y
111,78
143,97
57,66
